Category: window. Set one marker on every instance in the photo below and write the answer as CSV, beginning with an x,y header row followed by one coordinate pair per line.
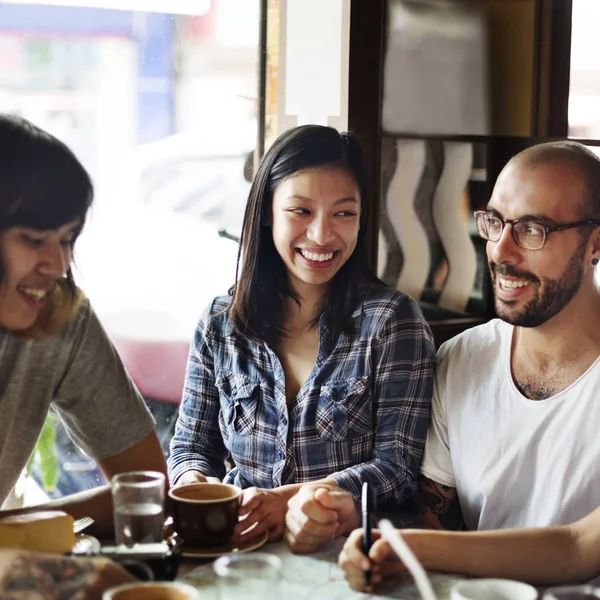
x,y
161,109
584,93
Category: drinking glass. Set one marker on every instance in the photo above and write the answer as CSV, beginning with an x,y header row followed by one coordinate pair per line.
x,y
248,576
138,501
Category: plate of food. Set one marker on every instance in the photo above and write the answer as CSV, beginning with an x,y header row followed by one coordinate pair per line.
x,y
50,532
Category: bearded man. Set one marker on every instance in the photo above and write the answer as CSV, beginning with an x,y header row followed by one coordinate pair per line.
x,y
513,438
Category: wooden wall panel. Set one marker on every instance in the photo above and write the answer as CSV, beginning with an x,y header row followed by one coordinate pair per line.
x,y
512,41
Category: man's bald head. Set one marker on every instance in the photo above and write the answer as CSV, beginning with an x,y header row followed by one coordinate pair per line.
x,y
567,153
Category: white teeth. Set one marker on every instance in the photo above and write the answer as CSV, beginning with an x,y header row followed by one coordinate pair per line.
x,y
34,293
316,257
513,284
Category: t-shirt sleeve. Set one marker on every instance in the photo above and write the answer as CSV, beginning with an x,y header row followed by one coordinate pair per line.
x,y
437,462
101,408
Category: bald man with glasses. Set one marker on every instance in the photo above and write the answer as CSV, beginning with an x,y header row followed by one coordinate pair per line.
x,y
513,438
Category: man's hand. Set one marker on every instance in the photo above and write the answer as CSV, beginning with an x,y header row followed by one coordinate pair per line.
x,y
318,514
261,510
382,561
26,575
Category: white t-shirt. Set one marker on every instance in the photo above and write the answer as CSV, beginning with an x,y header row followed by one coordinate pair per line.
x,y
515,462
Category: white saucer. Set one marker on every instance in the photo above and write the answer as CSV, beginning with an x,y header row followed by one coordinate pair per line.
x,y
189,551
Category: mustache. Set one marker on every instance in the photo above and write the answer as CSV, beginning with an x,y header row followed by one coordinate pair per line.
x,y
510,271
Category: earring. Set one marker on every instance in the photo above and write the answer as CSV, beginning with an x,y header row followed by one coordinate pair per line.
x,y
595,261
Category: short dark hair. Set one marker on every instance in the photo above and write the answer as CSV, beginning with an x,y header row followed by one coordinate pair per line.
x,y
261,277
42,186
576,154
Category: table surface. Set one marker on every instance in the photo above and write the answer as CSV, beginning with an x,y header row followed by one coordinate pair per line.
x,y
315,577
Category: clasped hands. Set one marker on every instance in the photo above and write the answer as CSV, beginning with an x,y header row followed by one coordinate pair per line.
x,y
312,516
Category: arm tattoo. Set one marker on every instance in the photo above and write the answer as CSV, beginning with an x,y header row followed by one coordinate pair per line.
x,y
45,576
438,505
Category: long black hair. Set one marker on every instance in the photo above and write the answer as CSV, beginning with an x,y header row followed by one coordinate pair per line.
x,y
261,279
42,186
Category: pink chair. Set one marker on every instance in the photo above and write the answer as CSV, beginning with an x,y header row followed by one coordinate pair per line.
x,y
154,351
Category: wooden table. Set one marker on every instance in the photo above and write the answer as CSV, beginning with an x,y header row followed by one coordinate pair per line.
x,y
313,577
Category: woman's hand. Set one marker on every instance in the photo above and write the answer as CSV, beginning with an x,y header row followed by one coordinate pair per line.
x,y
261,510
317,514
26,575
382,561
195,477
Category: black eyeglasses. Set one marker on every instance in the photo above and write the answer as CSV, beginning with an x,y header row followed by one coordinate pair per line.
x,y
529,235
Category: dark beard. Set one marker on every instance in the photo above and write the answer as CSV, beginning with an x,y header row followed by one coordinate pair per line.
x,y
556,295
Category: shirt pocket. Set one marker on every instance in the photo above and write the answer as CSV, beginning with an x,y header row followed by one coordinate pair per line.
x,y
239,399
344,408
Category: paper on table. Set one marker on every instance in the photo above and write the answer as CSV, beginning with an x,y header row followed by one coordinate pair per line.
x,y
400,547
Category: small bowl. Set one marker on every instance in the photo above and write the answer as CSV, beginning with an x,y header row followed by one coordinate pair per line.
x,y
493,589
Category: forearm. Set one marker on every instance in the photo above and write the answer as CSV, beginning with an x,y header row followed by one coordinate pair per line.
x,y
194,476
95,503
438,505
185,458
405,520
24,575
539,556
392,484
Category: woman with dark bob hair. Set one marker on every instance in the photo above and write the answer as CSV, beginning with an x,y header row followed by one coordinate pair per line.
x,y
54,352
310,370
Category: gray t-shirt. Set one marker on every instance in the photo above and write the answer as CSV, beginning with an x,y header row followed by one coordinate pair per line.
x,y
78,372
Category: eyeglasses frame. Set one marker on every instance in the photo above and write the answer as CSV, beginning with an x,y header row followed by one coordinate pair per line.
x,y
546,228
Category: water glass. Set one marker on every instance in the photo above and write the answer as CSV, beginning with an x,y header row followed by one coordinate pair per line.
x,y
138,501
572,592
248,576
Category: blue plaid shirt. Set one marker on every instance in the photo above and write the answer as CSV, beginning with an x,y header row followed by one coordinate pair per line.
x,y
362,414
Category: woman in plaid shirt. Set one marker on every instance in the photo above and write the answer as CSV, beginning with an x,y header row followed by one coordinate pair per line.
x,y
310,369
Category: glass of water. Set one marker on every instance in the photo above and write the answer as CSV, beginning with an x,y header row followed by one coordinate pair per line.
x,y
245,576
138,501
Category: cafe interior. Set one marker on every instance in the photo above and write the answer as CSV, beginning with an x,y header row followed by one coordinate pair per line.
x,y
440,93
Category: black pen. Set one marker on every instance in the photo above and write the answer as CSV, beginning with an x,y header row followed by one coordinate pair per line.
x,y
367,523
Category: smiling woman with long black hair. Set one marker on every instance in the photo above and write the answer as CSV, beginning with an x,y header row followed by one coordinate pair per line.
x,y
310,369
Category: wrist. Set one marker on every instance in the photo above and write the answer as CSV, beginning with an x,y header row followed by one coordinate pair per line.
x,y
191,476
286,492
352,522
290,490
